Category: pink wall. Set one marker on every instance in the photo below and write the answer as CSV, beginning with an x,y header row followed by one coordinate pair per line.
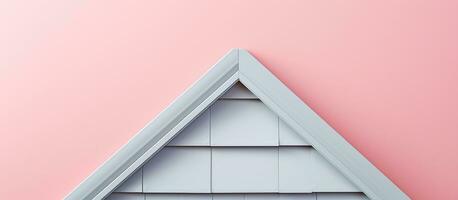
x,y
79,78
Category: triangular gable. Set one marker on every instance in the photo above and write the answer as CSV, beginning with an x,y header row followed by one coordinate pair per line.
x,y
238,65
237,149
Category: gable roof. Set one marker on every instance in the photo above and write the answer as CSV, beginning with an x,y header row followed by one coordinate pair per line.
x,y
237,65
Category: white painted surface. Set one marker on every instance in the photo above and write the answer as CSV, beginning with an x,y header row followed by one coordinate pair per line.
x,y
314,196
196,134
178,170
302,169
328,178
125,196
297,196
178,197
245,169
295,169
132,184
243,123
280,197
247,165
288,137
238,170
262,197
229,197
239,91
341,196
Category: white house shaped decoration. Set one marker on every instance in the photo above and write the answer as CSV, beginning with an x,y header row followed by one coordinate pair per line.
x,y
237,134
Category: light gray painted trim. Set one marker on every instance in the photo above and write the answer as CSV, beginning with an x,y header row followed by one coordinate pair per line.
x,y
315,130
160,130
234,66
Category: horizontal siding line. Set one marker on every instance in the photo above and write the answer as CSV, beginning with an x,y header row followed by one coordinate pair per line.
x,y
238,99
234,146
174,193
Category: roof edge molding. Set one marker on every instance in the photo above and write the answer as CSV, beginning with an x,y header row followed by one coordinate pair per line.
x,y
315,130
237,65
160,130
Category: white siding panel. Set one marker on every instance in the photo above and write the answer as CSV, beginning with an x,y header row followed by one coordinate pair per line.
x,y
179,170
289,137
314,196
132,184
327,178
341,196
243,123
262,197
302,169
245,169
125,196
295,169
178,197
195,134
297,196
228,197
280,197
239,91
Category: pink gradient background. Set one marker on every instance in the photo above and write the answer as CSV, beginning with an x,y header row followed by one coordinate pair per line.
x,y
79,78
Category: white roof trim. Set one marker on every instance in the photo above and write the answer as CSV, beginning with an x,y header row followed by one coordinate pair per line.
x,y
237,65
